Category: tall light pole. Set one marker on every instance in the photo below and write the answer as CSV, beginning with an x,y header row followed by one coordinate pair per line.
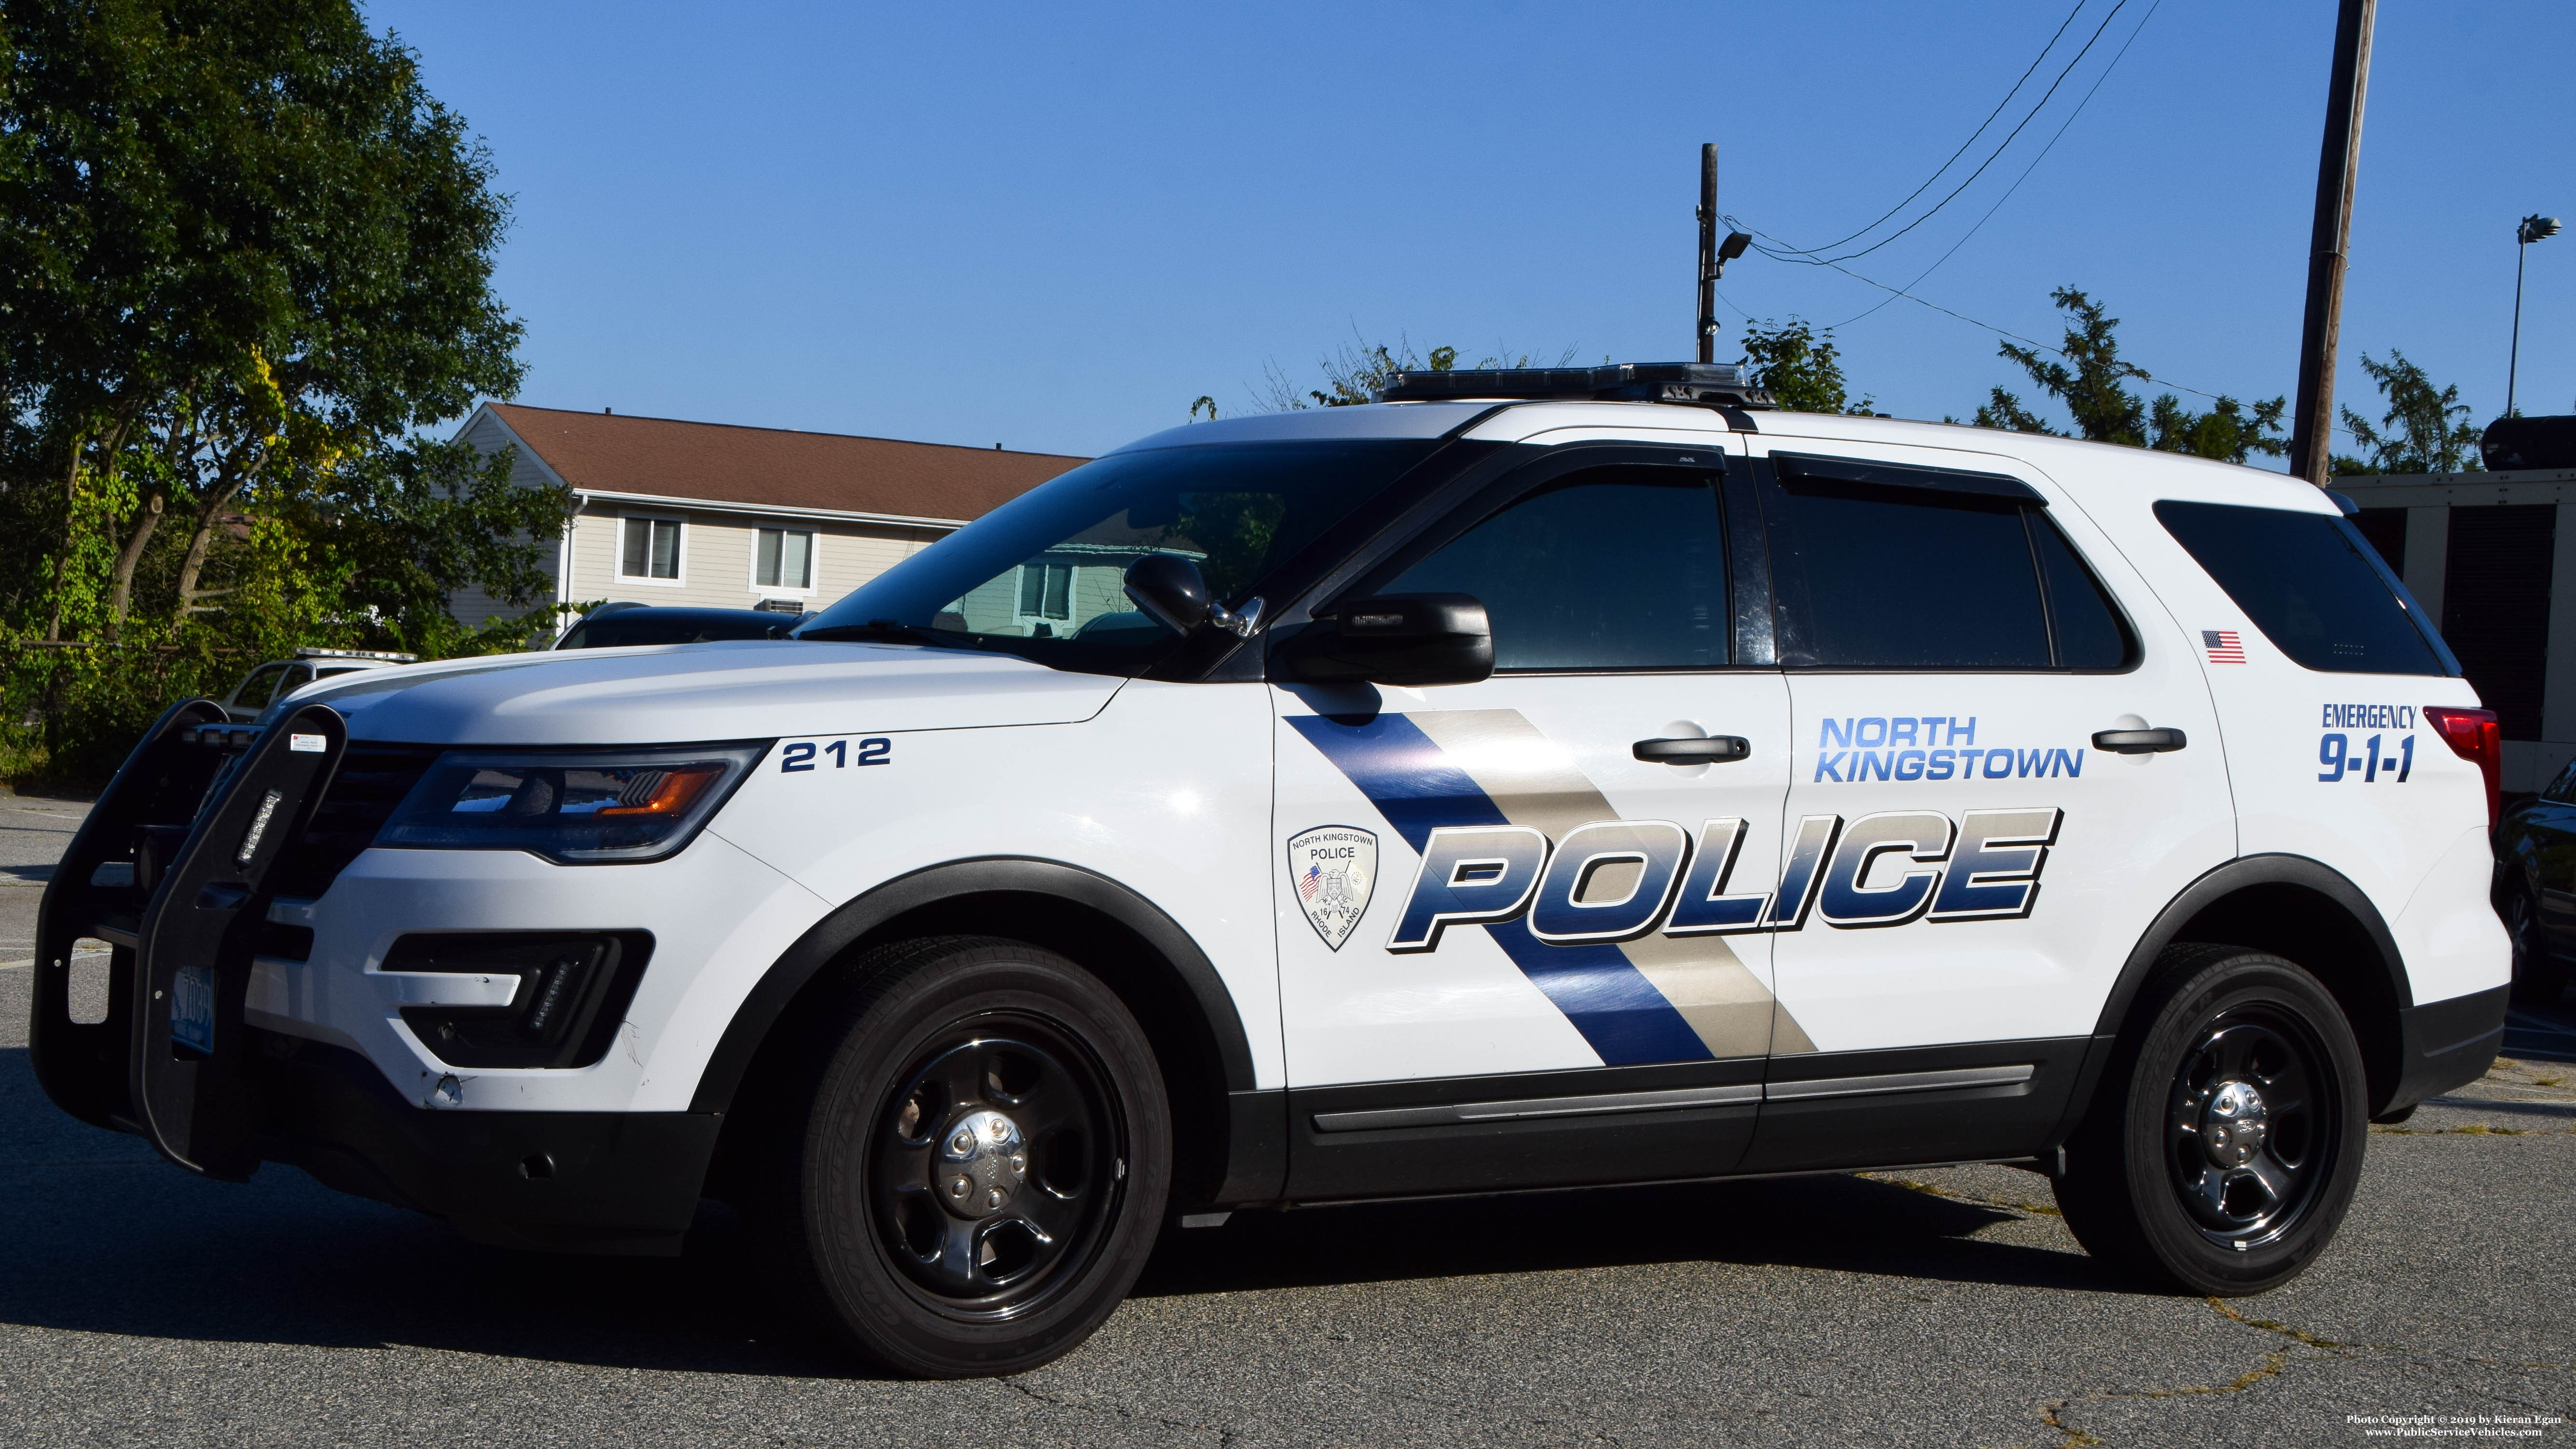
x,y
2533,228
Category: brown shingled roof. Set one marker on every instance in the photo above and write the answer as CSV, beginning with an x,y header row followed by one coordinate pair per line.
x,y
772,467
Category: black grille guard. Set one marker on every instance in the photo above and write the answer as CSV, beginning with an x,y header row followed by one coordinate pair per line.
x,y
203,810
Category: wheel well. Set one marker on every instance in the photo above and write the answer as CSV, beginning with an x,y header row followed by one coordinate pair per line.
x,y
2300,924
1145,980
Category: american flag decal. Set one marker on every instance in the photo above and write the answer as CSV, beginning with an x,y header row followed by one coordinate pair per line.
x,y
2223,645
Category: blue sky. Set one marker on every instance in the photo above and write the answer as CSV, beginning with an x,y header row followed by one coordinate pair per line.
x,y
1052,230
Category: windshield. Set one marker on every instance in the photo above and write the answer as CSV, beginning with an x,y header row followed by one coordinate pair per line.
x,y
1043,575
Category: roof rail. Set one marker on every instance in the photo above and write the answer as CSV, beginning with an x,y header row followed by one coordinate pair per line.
x,y
1714,384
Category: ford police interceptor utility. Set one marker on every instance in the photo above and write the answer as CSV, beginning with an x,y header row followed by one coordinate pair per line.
x,y
1542,778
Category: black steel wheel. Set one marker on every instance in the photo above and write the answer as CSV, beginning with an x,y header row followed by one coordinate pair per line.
x,y
975,1171
2225,1141
998,1155
2538,979
2247,1146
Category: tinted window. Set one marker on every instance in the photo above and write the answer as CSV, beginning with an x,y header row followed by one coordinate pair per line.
x,y
255,690
2308,582
1617,568
1872,577
2089,632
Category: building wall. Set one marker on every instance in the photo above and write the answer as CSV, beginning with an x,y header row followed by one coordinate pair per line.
x,y
716,555
2432,552
473,607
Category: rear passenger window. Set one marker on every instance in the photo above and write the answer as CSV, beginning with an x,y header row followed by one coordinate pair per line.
x,y
1886,577
1614,568
2308,582
2089,633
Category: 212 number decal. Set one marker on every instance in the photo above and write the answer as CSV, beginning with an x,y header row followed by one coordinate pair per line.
x,y
875,750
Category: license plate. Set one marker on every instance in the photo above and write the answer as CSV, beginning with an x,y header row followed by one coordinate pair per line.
x,y
192,1008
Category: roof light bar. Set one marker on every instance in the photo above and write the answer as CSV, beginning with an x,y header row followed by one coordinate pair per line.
x,y
1709,384
386,655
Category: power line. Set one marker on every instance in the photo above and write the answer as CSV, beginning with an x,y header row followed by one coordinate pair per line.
x,y
1972,135
1812,257
2025,172
1971,321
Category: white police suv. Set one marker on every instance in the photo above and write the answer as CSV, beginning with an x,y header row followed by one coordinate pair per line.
x,y
1543,778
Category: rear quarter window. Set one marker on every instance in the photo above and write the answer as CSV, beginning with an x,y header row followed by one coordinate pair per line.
x,y
2310,582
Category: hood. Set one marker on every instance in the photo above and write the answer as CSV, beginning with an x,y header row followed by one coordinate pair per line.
x,y
672,693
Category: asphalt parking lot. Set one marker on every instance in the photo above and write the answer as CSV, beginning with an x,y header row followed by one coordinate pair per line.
x,y
139,1305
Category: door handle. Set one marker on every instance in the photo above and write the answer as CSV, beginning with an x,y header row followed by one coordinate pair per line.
x,y
1713,750
2139,742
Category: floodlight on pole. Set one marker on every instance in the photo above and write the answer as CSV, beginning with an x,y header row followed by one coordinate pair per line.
x,y
2533,228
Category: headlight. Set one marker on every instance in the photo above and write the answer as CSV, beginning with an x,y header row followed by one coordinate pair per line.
x,y
592,807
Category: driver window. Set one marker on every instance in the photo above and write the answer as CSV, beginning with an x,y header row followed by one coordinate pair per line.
x,y
2563,789
1612,568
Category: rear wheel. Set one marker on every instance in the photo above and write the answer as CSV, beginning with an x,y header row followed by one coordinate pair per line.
x,y
2226,1139
2537,979
983,1161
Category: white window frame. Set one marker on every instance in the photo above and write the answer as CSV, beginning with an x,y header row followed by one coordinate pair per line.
x,y
618,558
1073,577
813,563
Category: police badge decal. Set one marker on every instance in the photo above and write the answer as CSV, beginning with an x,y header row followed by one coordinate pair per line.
x,y
1333,868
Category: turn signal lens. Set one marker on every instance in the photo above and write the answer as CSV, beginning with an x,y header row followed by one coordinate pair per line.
x,y
2475,736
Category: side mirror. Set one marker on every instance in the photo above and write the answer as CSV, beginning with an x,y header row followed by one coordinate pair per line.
x,y
1171,592
1401,639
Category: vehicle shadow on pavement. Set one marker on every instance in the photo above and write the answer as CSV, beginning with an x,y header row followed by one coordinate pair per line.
x,y
102,1237
1839,1223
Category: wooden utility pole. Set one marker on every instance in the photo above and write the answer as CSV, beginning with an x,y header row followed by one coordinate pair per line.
x,y
1708,252
2338,162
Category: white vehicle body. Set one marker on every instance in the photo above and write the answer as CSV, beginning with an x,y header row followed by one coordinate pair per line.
x,y
1949,996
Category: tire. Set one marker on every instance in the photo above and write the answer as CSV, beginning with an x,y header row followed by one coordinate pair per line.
x,y
2224,1143
2537,979
978,1171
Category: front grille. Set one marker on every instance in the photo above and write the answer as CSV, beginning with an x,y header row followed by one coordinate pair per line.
x,y
373,779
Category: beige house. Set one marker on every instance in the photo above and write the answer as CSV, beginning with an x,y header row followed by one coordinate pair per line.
x,y
717,516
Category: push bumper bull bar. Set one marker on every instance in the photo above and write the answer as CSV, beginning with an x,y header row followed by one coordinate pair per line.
x,y
200,814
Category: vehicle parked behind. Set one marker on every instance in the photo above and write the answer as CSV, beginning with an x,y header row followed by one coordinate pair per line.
x,y
279,678
2535,890
614,626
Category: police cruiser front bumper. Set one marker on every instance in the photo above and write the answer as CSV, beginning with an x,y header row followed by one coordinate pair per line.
x,y
209,1053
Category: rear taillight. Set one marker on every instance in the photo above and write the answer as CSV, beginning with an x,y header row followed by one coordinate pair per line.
x,y
2474,735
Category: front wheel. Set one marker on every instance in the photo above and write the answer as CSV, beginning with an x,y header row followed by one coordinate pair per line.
x,y
2227,1137
983,1163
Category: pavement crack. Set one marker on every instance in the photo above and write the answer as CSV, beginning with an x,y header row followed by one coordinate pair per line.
x,y
1225,1437
2269,1366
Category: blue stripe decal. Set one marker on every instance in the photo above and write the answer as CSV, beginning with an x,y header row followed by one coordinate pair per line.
x,y
1417,787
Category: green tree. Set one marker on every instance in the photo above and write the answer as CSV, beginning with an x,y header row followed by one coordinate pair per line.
x,y
1356,371
2230,431
2091,383
245,258
1803,371
2426,430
